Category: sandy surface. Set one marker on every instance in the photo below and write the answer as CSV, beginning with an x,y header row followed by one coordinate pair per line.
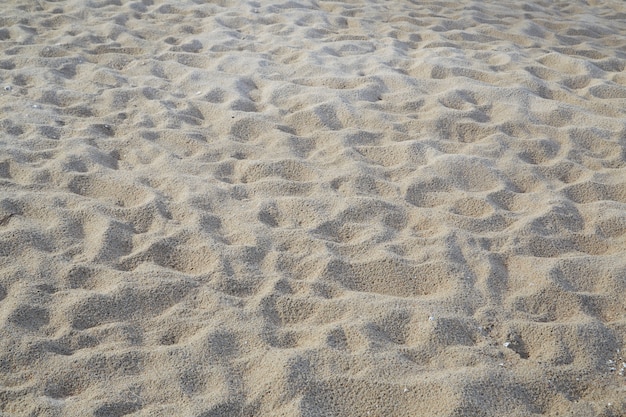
x,y
312,208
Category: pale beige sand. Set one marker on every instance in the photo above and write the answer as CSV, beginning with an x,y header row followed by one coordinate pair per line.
x,y
312,208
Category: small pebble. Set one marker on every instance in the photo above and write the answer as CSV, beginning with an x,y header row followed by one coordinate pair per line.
x,y
7,88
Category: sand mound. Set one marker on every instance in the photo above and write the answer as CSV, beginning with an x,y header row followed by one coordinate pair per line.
x,y
312,208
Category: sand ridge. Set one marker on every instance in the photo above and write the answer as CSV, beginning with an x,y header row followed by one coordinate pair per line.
x,y
312,208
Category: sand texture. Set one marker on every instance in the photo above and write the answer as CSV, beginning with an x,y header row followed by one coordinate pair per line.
x,y
308,208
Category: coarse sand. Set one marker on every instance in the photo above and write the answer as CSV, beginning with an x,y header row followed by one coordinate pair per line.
x,y
308,208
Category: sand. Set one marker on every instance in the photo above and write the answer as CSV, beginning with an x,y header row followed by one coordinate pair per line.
x,y
312,208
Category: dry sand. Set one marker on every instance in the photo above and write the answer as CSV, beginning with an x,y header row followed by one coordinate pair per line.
x,y
312,208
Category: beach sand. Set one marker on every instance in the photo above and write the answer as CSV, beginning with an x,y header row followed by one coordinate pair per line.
x,y
312,208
